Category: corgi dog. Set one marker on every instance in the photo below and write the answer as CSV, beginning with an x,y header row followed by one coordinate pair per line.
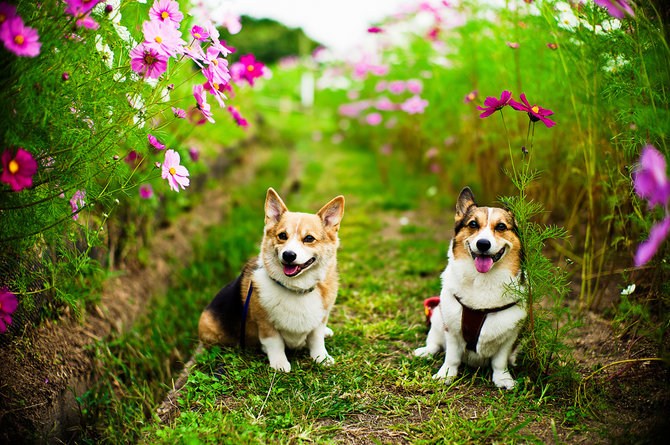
x,y
284,296
479,315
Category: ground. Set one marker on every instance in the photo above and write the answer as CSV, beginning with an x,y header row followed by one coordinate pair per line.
x,y
392,252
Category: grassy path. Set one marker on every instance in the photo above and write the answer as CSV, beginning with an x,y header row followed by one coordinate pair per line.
x,y
393,249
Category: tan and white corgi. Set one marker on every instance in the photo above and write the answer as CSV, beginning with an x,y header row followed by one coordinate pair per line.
x,y
283,297
479,316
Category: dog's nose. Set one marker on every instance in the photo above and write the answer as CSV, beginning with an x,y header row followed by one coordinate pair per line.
x,y
483,245
289,256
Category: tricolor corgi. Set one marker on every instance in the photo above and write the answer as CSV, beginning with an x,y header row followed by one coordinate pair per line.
x,y
283,297
480,313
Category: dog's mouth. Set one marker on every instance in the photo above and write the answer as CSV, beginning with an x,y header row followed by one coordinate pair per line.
x,y
291,270
484,263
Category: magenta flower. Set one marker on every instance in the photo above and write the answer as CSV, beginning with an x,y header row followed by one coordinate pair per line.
x,y
18,170
165,35
414,105
148,59
178,112
535,113
373,119
491,104
647,249
177,175
194,154
552,46
79,8
166,11
18,38
472,95
77,202
248,68
239,120
7,11
200,96
199,33
87,22
616,8
146,191
396,87
375,30
8,304
153,141
650,180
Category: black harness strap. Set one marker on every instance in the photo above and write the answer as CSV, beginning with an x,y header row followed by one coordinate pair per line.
x,y
472,321
244,316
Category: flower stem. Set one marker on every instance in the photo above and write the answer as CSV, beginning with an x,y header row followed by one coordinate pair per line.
x,y
509,146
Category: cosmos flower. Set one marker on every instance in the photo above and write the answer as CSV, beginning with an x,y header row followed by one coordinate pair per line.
x,y
199,33
146,191
166,11
647,249
178,112
79,8
148,59
239,120
153,141
177,175
7,11
77,202
472,95
414,86
396,87
491,104
232,23
414,105
373,119
18,170
552,46
650,179
8,304
535,112
385,104
200,97
616,8
194,154
248,68
18,38
512,45
166,36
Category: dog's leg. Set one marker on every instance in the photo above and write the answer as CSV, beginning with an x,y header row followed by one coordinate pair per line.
x,y
275,348
327,332
317,346
501,375
435,340
452,359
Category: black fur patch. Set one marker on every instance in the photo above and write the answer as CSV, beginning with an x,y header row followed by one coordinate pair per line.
x,y
227,306
461,223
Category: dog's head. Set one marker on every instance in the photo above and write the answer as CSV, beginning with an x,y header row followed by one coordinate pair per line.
x,y
486,236
298,248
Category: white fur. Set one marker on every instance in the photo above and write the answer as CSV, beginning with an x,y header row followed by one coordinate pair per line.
x,y
499,331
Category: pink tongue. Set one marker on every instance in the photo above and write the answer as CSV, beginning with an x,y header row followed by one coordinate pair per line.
x,y
290,269
483,263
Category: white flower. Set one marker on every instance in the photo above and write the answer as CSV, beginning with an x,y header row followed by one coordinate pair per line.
x,y
105,51
629,290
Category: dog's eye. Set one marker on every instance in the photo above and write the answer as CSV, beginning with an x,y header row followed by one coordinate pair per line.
x,y
473,224
282,236
308,239
500,227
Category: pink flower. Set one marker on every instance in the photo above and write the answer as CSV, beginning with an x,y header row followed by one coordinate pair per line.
x,y
375,30
178,112
381,86
18,38
648,248
414,105
194,52
8,304
385,104
148,59
200,96
194,154
77,202
397,87
616,8
650,179
153,141
535,112
373,119
7,11
231,22
239,120
79,8
18,170
552,46
386,149
472,95
166,11
512,45
199,33
414,86
87,22
177,175
491,104
248,68
165,35
146,191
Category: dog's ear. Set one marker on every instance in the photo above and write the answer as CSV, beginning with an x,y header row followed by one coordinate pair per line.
x,y
331,214
274,207
465,200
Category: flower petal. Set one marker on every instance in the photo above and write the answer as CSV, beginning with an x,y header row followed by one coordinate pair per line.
x,y
648,248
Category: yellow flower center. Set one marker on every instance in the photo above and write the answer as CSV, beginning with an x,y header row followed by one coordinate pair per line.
x,y
197,35
149,59
215,85
13,166
250,68
471,96
158,39
215,62
19,39
535,109
172,171
164,15
3,17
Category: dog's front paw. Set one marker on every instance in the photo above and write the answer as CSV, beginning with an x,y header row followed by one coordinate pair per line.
x,y
324,359
446,374
426,351
504,380
281,364
327,332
